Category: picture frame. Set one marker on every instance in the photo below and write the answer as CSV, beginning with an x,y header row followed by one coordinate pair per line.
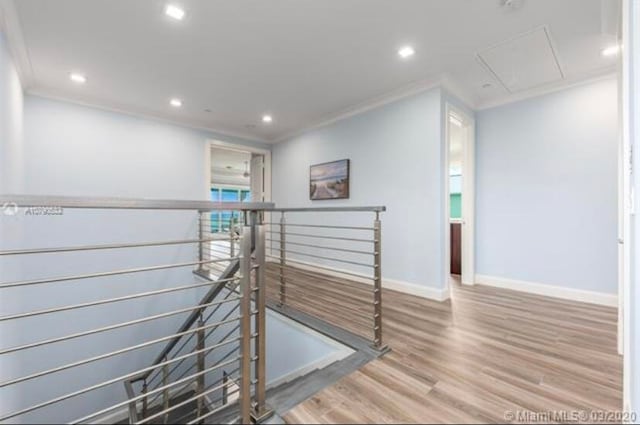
x,y
329,180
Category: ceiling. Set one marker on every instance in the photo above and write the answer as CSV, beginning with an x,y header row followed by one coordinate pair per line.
x,y
228,167
304,62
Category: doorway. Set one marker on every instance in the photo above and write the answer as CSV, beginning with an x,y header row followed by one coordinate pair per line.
x,y
460,195
235,173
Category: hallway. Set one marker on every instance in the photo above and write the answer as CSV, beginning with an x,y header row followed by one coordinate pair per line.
x,y
476,358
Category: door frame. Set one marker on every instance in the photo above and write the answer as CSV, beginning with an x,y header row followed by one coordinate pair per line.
x,y
468,198
210,144
629,77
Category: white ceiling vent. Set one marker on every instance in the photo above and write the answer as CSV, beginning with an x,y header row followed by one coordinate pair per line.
x,y
524,62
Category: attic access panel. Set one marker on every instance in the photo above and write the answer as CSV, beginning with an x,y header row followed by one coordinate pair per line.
x,y
523,62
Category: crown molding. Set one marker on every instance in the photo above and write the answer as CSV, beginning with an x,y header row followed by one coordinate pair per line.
x,y
443,81
451,86
373,103
148,116
10,25
601,74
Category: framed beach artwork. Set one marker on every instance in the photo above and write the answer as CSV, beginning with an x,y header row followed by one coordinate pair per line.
x,y
329,180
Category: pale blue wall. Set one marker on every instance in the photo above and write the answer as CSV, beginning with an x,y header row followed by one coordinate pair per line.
x,y
11,113
546,189
395,152
81,151
116,154
11,120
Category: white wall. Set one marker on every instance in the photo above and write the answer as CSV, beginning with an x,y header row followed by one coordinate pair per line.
x,y
10,159
116,154
81,151
11,116
395,152
546,189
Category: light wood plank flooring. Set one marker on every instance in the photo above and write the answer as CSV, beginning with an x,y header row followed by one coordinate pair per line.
x,y
471,359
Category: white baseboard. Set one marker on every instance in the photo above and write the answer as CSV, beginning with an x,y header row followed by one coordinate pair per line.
x,y
395,285
600,298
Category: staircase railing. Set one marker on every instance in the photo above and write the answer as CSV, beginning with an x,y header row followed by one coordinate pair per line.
x,y
315,252
203,361
76,385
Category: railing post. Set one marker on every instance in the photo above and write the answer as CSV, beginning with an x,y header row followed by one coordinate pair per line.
x,y
283,260
201,224
261,412
245,326
377,287
200,383
145,401
165,392
225,389
232,248
133,406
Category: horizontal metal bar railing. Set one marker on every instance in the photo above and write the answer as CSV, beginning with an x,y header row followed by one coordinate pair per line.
x,y
152,377
105,328
106,246
323,257
206,353
182,403
215,400
216,252
326,268
332,209
325,226
130,203
323,288
335,238
362,314
322,276
102,356
121,378
228,334
140,397
227,258
106,301
112,273
329,248
306,257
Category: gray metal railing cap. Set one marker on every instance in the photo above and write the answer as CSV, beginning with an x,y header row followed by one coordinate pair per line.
x,y
380,208
52,201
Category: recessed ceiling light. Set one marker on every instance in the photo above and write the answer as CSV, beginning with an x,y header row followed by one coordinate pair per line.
x,y
611,50
267,119
174,12
77,78
176,103
406,52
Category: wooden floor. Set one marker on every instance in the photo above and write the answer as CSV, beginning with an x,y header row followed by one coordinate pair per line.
x,y
480,357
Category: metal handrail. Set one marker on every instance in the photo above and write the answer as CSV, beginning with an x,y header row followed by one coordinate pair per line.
x,y
239,266
193,317
281,254
332,209
129,203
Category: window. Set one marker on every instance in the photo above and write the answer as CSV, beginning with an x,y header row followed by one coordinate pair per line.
x,y
221,221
